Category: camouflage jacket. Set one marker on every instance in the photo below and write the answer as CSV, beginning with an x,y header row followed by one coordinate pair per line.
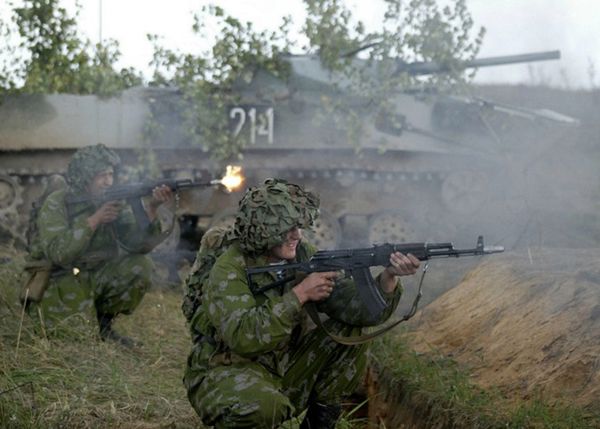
x,y
236,325
66,239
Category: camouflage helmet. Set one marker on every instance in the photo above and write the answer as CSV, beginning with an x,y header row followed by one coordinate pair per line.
x,y
266,213
87,162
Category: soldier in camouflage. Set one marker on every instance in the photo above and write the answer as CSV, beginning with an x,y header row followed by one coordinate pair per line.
x,y
254,361
97,253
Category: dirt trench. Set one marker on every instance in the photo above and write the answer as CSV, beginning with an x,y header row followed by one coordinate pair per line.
x,y
526,324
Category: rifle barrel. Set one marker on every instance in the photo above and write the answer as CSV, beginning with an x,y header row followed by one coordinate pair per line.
x,y
136,190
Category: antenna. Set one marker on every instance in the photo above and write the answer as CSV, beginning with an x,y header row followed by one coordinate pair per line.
x,y
99,21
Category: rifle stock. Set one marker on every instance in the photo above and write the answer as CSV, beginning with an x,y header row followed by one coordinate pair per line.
x,y
357,263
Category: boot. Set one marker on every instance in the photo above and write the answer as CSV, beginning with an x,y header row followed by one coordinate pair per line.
x,y
321,416
107,332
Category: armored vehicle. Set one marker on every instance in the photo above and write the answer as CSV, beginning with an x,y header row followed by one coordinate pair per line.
x,y
433,168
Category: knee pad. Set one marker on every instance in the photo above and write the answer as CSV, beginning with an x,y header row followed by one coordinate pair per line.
x,y
265,410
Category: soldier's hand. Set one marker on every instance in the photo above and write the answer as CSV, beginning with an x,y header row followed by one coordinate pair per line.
x,y
400,265
160,195
316,286
403,265
107,213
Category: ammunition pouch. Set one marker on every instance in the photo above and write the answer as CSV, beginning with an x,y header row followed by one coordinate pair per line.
x,y
39,272
37,277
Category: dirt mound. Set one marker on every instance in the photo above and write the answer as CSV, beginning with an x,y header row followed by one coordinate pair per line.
x,y
527,323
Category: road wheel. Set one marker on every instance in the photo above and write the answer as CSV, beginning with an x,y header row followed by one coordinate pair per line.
x,y
10,195
390,227
465,192
326,233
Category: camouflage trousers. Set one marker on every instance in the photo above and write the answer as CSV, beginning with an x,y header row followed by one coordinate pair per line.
x,y
116,286
247,395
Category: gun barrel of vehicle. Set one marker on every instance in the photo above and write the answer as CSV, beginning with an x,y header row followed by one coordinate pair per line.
x,y
430,67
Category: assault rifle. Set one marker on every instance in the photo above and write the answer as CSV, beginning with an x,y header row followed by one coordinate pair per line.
x,y
356,263
132,193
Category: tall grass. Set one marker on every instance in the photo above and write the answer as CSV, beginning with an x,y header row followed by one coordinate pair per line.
x,y
77,381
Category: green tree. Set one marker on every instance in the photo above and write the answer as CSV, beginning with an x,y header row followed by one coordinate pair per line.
x,y
418,30
209,82
414,31
49,55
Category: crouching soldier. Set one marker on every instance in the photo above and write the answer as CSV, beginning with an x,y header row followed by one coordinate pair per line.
x,y
254,362
93,256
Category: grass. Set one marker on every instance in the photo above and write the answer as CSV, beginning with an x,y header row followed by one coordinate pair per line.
x,y
433,391
78,381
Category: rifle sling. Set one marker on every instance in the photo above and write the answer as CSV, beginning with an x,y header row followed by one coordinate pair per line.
x,y
348,341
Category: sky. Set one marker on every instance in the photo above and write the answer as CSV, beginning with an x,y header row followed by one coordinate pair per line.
x,y
513,27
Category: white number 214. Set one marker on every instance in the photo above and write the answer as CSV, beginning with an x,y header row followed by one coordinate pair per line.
x,y
261,123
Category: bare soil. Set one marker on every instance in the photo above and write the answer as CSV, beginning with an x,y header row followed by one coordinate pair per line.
x,y
526,322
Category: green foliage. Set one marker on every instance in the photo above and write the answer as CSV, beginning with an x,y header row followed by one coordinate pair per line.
x,y
208,82
419,30
330,30
49,55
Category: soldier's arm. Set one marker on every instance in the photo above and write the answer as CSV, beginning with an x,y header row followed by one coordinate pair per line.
x,y
345,305
248,329
134,238
62,241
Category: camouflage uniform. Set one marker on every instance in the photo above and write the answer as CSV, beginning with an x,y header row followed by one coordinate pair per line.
x,y
101,271
254,362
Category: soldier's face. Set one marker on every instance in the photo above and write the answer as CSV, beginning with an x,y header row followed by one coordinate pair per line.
x,y
287,249
101,181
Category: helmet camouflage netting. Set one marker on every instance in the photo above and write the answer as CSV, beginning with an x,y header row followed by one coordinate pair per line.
x,y
87,162
267,212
